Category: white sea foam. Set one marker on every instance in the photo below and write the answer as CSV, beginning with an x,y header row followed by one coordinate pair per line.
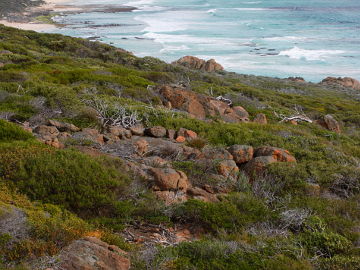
x,y
286,38
169,49
310,55
252,9
212,11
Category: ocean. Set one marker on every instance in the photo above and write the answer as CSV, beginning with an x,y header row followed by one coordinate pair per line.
x,y
280,38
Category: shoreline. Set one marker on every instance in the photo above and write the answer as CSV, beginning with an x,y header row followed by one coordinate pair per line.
x,y
38,18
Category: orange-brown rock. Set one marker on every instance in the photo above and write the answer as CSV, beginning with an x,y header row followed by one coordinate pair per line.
x,y
180,139
258,165
137,130
202,106
261,119
189,134
345,82
280,155
197,63
241,153
157,132
329,122
227,168
216,153
141,146
47,132
91,253
170,179
120,132
64,126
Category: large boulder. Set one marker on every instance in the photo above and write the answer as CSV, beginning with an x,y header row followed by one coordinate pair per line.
x,y
227,168
330,123
13,222
47,132
345,82
157,132
241,153
197,63
91,253
170,179
258,165
202,106
64,127
280,155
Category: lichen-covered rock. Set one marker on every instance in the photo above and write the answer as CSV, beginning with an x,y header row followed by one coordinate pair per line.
x,y
227,168
241,153
345,82
258,165
157,132
280,155
91,253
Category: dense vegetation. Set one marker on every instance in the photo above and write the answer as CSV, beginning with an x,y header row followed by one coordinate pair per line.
x,y
276,225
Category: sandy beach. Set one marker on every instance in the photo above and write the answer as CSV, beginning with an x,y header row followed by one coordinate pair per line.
x,y
28,20
32,23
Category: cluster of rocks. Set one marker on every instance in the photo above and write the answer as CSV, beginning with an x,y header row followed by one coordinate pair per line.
x,y
200,64
344,82
201,106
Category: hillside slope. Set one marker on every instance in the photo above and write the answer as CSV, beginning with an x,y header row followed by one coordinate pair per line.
x,y
182,168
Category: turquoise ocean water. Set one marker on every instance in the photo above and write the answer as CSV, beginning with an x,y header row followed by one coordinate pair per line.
x,y
308,38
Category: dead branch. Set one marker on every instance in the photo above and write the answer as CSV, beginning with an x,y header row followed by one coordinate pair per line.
x,y
298,116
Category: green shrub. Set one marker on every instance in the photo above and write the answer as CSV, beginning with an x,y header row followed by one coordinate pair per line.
x,y
10,132
66,177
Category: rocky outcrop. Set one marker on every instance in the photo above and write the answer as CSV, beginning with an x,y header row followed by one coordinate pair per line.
x,y
345,82
64,127
202,106
91,253
330,123
157,132
197,63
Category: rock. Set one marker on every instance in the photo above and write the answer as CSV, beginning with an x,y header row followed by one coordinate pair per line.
x,y
241,153
201,106
5,52
91,253
258,165
345,82
91,135
47,132
329,122
171,197
142,146
170,179
64,136
293,122
180,139
13,221
170,134
197,63
157,132
296,79
189,134
111,138
64,126
217,153
280,155
137,130
260,118
227,168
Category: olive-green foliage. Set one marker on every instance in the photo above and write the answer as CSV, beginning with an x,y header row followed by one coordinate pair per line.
x,y
10,132
231,214
66,177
